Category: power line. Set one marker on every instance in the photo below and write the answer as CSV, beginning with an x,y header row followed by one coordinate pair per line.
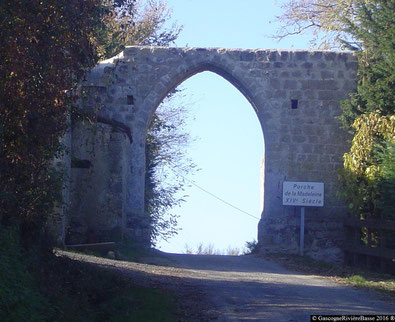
x,y
211,194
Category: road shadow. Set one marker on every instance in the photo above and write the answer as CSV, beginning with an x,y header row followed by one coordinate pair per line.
x,y
248,294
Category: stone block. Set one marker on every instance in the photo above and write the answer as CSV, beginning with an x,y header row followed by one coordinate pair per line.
x,y
313,139
275,83
327,74
307,148
349,86
307,65
323,158
309,94
290,84
296,73
352,65
301,55
284,55
262,55
328,95
301,157
329,56
272,56
257,73
297,95
299,138
247,56
312,157
317,56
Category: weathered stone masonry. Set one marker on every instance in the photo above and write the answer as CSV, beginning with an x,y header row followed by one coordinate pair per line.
x,y
295,95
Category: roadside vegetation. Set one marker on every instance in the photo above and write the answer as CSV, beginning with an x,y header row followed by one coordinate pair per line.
x,y
210,249
357,277
37,286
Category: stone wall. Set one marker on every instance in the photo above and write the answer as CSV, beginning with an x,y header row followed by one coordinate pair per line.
x,y
99,158
295,95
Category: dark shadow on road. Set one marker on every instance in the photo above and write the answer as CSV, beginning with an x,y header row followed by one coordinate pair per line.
x,y
251,292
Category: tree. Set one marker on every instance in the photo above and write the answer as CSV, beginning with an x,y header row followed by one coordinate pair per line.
x,y
326,19
166,144
368,176
370,112
46,46
375,32
138,22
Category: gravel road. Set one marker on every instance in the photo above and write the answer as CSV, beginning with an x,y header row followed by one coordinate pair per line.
x,y
240,288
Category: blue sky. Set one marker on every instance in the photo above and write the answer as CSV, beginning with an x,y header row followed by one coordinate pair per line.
x,y
230,143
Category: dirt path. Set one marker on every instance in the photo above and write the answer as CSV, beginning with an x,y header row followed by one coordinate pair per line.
x,y
234,288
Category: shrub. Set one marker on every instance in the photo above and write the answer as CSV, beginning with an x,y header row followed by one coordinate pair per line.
x,y
252,247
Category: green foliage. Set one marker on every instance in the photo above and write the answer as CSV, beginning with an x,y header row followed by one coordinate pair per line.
x,y
366,176
252,247
137,22
46,47
375,34
353,276
386,183
357,279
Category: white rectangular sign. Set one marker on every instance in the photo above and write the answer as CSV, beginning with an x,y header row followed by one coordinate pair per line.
x,y
305,194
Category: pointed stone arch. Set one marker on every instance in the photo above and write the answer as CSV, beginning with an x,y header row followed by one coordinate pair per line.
x,y
172,81
295,95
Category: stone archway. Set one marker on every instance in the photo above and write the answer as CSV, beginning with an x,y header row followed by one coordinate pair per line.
x,y
295,95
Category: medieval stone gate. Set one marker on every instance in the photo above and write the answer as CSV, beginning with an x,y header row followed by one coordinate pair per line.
x,y
295,95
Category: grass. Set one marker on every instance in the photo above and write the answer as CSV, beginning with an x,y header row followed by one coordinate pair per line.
x,y
357,279
381,283
35,285
384,283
